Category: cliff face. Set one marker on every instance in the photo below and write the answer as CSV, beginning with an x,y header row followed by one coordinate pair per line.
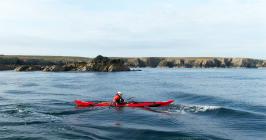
x,y
105,64
143,62
57,64
195,62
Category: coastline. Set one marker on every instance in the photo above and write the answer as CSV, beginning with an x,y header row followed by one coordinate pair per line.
x,y
114,64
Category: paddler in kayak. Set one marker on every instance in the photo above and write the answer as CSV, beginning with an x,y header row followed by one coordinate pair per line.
x,y
118,99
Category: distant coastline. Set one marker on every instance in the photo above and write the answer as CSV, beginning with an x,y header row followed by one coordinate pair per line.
x,y
112,64
196,62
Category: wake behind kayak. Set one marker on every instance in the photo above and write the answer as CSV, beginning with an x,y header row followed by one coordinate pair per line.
x,y
80,103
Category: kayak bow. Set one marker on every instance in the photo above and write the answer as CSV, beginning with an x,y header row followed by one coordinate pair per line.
x,y
80,103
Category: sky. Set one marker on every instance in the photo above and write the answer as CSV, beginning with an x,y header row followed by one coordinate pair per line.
x,y
134,28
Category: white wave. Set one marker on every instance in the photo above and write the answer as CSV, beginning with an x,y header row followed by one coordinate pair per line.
x,y
203,108
194,108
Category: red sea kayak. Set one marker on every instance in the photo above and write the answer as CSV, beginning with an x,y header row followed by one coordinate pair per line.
x,y
80,103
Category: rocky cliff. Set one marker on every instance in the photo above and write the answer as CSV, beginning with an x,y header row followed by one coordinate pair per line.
x,y
204,62
105,64
58,64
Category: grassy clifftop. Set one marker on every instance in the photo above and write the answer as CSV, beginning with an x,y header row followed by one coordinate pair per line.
x,y
39,60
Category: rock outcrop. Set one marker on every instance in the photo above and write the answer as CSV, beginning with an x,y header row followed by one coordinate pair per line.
x,y
105,64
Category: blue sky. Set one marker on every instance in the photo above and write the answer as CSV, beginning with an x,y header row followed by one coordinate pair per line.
x,y
225,28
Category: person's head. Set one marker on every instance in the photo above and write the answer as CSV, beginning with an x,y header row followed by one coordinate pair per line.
x,y
119,93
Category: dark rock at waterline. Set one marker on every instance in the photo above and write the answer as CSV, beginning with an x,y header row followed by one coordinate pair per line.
x,y
28,68
6,67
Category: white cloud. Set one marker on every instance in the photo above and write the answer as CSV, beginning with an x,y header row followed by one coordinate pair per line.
x,y
211,25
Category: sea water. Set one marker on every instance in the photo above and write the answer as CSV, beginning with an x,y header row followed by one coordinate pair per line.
x,y
209,104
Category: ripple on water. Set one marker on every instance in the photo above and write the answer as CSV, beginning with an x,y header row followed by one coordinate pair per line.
x,y
29,85
19,92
